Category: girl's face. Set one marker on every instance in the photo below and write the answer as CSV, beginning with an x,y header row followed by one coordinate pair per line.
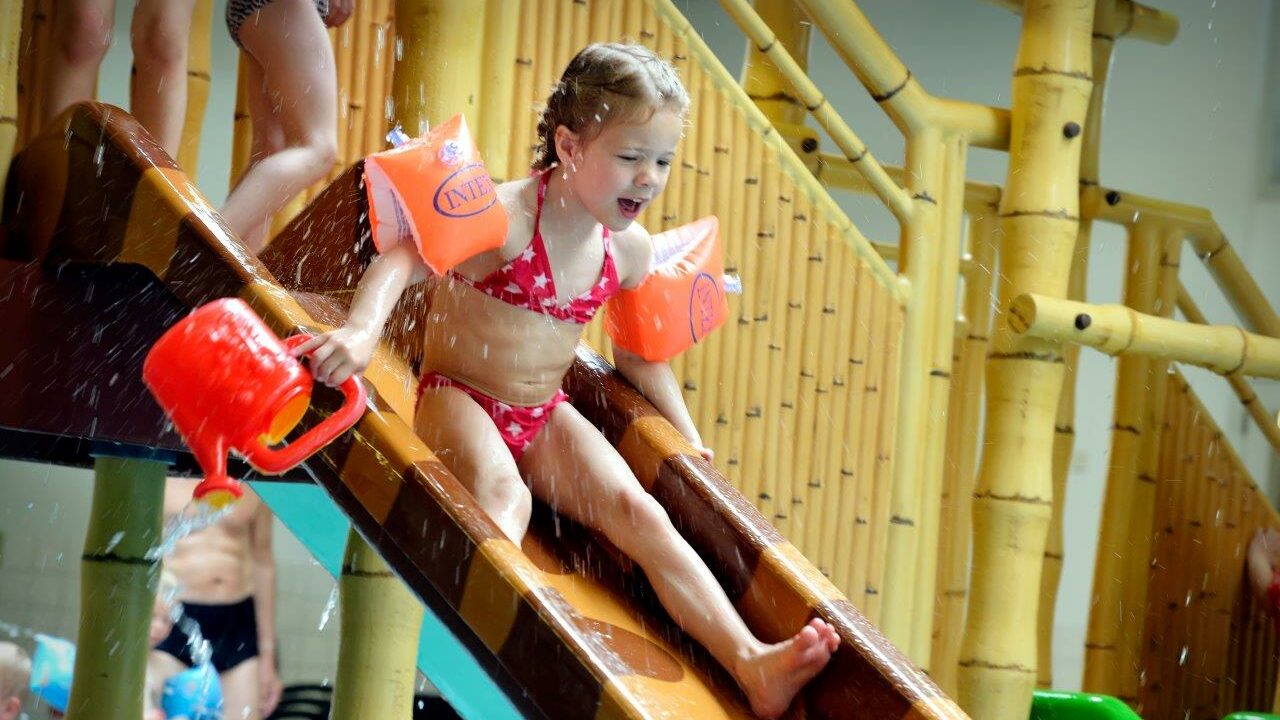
x,y
619,172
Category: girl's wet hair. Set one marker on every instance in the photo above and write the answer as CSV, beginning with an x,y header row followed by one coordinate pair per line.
x,y
603,83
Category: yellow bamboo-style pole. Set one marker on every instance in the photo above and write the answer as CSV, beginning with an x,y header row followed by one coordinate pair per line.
x,y
343,41
806,492
1237,283
10,36
431,83
888,387
837,172
942,348
381,621
501,29
1107,654
360,103
856,442
757,485
524,108
765,84
241,128
1243,390
854,557
199,71
839,282
734,231
962,449
1209,243
764,39
381,62
790,486
892,85
967,266
1121,330
1039,213
1173,486
33,64
921,253
118,579
1138,21
748,268
28,34
1108,23
1142,513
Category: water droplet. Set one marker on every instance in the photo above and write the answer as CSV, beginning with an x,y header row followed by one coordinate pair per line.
x,y
328,607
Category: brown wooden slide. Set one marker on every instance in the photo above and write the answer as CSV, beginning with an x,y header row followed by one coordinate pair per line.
x,y
105,243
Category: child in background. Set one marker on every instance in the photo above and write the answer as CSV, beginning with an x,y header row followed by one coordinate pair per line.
x,y
15,675
293,103
191,694
502,333
158,88
162,613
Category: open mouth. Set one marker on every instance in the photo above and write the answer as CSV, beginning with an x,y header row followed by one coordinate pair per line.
x,y
630,208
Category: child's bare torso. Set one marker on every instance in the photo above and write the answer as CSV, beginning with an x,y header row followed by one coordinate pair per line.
x,y
212,565
511,353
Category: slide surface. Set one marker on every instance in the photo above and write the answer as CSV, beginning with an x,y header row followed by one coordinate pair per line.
x,y
106,243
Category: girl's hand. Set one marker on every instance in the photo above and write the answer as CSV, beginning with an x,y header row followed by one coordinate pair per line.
x,y
707,453
338,354
339,11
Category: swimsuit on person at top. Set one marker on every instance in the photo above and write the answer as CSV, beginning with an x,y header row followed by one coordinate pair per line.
x,y
525,281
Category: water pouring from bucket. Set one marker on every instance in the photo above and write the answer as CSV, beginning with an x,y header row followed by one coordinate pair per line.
x,y
229,384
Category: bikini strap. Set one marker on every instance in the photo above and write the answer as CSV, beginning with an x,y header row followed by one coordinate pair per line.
x,y
543,180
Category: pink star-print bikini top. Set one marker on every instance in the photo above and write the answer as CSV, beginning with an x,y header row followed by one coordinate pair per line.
x,y
525,280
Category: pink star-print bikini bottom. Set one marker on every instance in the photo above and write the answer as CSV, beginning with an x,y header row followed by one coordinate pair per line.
x,y
517,424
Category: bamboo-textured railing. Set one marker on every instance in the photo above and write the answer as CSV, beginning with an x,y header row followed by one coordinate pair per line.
x,y
1207,646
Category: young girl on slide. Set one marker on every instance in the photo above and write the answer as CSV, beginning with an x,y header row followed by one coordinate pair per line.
x,y
501,336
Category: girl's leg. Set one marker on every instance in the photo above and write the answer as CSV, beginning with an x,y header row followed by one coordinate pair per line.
x,y
465,439
82,34
158,90
267,138
572,467
288,41
240,699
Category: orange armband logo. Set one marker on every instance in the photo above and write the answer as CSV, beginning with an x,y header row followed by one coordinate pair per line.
x,y
681,301
467,192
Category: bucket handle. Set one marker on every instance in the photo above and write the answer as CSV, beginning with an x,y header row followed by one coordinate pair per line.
x,y
273,461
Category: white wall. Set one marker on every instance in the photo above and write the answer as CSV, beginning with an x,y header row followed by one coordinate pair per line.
x,y
1183,122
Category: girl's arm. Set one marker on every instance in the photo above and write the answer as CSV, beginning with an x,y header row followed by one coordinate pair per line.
x,y
341,353
657,382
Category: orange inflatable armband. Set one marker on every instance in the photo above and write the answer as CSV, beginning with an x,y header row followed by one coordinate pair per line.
x,y
435,191
681,301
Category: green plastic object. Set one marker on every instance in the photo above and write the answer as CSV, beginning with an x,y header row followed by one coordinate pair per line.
x,y
1251,716
1058,705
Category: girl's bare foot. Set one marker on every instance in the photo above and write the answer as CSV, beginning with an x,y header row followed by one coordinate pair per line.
x,y
773,676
